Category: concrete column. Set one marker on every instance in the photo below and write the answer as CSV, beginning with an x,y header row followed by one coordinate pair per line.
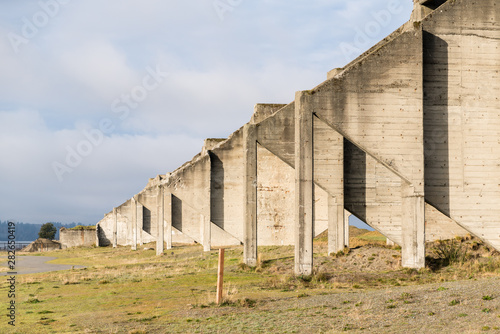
x,y
304,186
336,224
413,228
250,198
389,242
140,222
168,220
97,228
347,215
115,228
134,223
160,200
206,232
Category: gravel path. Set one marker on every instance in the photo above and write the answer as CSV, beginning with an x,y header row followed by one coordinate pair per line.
x,y
35,264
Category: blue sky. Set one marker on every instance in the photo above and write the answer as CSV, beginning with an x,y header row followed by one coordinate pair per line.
x,y
96,97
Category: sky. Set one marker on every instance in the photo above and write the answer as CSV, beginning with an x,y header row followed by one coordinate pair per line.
x,y
98,96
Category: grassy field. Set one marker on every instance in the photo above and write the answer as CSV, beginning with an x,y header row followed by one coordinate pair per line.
x,y
124,291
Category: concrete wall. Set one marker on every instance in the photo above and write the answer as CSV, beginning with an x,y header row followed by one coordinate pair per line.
x,y
275,201
227,190
461,114
74,238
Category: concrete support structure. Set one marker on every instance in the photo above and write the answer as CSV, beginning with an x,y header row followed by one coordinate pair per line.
x,y
250,197
134,223
347,215
328,171
304,185
161,221
336,225
405,137
97,232
115,228
140,222
206,232
168,221
413,216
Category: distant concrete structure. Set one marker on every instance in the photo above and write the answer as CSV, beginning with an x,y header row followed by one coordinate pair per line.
x,y
75,237
42,245
405,137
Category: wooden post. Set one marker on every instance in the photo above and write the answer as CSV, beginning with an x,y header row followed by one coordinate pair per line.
x,y
220,276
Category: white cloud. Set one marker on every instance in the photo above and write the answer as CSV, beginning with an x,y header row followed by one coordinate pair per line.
x,y
115,169
99,67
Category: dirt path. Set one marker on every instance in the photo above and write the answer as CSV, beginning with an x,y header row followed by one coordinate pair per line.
x,y
34,264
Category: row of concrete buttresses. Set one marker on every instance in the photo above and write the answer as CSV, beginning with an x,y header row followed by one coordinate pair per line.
x,y
406,137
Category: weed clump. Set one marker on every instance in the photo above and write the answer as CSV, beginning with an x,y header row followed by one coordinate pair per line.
x,y
451,251
33,301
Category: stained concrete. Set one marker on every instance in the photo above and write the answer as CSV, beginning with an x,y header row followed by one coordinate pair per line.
x,y
77,237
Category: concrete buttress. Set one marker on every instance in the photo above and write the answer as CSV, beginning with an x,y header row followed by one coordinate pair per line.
x,y
250,198
304,186
161,221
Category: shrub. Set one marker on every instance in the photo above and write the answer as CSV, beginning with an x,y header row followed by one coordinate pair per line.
x,y
450,251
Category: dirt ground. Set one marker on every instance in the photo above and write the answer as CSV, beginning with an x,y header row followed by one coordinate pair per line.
x,y
451,307
370,294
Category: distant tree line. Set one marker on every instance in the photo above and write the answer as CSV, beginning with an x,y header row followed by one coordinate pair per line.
x,y
29,232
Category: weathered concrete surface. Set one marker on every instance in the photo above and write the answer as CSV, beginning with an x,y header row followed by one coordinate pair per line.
x,y
42,245
160,206
328,169
377,106
77,237
461,115
250,195
304,184
134,223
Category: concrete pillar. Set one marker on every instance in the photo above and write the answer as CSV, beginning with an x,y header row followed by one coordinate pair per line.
x,y
304,186
140,222
389,242
347,215
115,228
336,224
160,200
250,198
134,223
206,232
168,220
413,228
97,228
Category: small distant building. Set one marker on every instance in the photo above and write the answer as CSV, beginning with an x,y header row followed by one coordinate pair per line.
x,y
78,236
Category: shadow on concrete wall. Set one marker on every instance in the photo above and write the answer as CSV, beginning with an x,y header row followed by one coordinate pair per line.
x,y
435,4
216,191
146,220
176,212
436,119
355,180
